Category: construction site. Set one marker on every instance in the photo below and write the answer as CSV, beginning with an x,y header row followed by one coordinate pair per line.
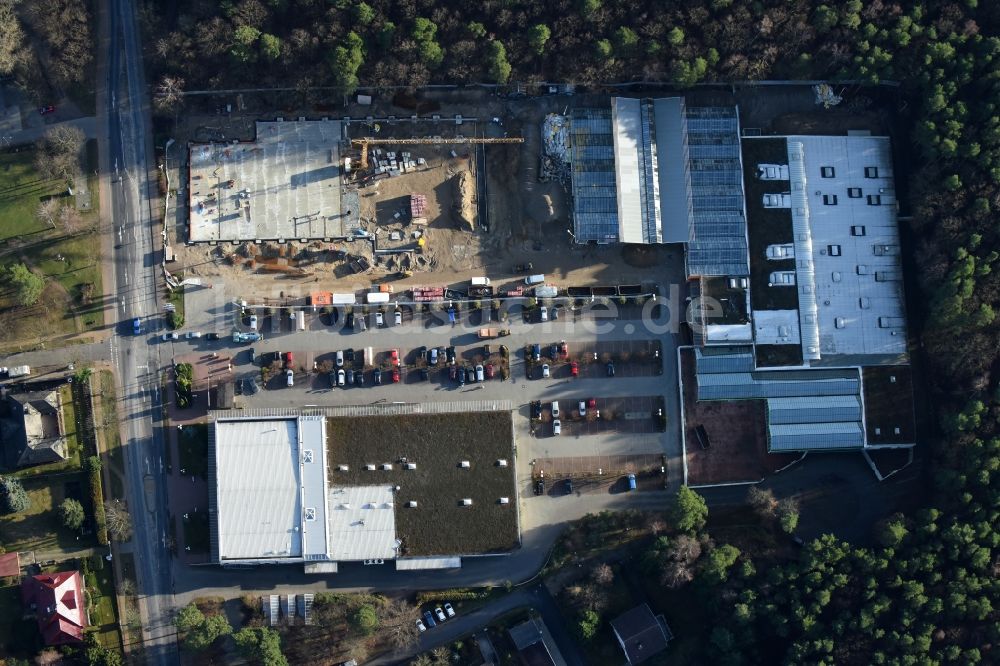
x,y
328,203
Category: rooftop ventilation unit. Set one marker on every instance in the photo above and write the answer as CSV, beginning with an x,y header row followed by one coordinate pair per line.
x,y
343,468
307,456
370,467
467,501
387,467
502,462
410,465
505,500
412,504
310,513
464,464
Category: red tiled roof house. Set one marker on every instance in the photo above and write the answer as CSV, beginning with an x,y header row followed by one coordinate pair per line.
x,y
57,600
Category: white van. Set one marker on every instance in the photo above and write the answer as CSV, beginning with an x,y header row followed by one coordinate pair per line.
x,y
369,357
480,282
301,318
534,279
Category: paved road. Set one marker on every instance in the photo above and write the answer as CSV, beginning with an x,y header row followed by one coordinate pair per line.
x,y
136,260
89,125
535,596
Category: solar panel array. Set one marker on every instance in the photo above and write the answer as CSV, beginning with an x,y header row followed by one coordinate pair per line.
x,y
718,225
595,198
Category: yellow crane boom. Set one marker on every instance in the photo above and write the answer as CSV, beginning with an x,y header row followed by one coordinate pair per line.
x,y
364,142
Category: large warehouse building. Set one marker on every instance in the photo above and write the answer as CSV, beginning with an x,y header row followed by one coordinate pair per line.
x,y
361,484
792,251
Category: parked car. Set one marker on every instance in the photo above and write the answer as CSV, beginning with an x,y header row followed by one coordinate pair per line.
x,y
523,268
450,353
421,627
192,335
611,369
564,349
480,376
169,335
540,487
440,614
377,377
449,610
340,359
536,351
395,376
253,322
398,318
379,319
592,403
556,427
136,326
536,409
470,374
489,371
289,359
543,313
453,373
429,619
350,376
290,377
545,370
631,481
341,378
394,357
213,336
432,358
574,369
45,110
359,378
569,486
555,409
461,376
425,374
583,409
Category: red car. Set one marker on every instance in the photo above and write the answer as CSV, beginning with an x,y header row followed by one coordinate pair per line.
x,y
564,349
289,359
489,371
395,376
574,369
394,357
46,110
592,403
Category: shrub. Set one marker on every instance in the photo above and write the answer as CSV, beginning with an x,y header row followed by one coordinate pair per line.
x,y
71,513
175,320
15,500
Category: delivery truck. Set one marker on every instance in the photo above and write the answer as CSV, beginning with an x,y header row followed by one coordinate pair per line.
x,y
487,333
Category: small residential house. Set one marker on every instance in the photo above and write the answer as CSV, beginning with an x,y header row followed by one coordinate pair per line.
x,y
534,644
33,432
641,634
58,604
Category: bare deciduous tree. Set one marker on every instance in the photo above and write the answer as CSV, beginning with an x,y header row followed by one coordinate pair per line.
x,y
762,500
685,549
58,155
603,575
676,573
119,520
397,621
71,221
169,94
48,212
11,37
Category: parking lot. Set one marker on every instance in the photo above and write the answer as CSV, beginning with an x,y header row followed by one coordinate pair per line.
x,y
631,415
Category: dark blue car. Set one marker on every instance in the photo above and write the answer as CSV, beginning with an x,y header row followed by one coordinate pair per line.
x,y
136,326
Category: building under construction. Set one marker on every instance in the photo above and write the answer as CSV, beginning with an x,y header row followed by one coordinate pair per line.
x,y
286,184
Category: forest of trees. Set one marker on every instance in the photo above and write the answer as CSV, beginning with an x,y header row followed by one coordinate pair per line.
x,y
928,592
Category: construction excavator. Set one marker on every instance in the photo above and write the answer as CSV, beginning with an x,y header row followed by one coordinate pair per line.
x,y
365,142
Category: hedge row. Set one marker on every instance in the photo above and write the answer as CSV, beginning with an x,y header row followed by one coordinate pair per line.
x,y
460,594
97,499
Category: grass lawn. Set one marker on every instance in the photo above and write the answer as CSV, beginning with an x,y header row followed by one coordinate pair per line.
x,y
39,527
72,445
21,191
101,605
18,638
192,445
112,439
436,443
196,532
73,300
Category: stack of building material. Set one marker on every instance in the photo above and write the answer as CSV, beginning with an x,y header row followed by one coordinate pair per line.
x,y
418,209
